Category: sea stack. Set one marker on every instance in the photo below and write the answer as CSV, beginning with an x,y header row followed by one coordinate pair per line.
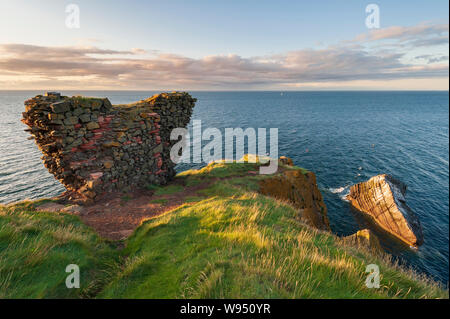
x,y
382,197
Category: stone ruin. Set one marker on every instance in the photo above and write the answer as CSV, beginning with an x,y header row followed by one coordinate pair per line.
x,y
94,148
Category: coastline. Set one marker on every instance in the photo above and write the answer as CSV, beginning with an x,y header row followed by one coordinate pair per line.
x,y
203,234
26,177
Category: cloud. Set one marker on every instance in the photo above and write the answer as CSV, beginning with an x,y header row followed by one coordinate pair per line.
x,y
431,58
138,51
55,52
429,41
404,33
93,67
420,35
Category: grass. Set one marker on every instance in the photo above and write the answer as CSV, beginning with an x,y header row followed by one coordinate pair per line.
x,y
161,201
230,242
165,190
237,243
126,198
192,199
220,170
36,247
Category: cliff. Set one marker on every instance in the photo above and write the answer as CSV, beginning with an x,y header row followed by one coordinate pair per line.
x,y
383,199
93,147
299,187
115,218
365,238
222,231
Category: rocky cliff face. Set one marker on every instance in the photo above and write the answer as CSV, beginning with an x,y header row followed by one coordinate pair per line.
x,y
300,189
94,147
364,238
383,198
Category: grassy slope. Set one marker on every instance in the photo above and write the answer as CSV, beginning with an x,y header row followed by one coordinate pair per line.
x,y
238,244
36,247
230,242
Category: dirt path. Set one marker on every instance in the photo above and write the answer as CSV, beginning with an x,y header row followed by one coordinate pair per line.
x,y
115,218
117,215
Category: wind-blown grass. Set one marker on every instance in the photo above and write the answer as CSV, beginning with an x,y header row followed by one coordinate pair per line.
x,y
240,244
229,243
36,247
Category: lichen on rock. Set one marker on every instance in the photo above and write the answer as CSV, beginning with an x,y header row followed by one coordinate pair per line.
x,y
364,238
286,161
299,188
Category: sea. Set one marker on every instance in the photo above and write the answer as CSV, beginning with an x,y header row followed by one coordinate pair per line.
x,y
344,137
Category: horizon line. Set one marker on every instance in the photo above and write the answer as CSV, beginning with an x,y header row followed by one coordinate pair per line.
x,y
194,90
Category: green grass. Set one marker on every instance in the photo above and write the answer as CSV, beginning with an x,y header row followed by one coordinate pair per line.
x,y
161,201
230,242
126,198
152,187
240,244
192,199
220,170
165,190
36,247
170,189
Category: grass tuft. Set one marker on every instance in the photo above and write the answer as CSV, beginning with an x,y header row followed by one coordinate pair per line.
x,y
36,247
236,243
161,201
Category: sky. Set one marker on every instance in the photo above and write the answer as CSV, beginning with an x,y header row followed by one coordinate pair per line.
x,y
223,45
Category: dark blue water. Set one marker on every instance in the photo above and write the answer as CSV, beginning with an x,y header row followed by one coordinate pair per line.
x,y
344,137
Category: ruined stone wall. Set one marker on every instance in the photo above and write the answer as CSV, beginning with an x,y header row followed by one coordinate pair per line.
x,y
93,147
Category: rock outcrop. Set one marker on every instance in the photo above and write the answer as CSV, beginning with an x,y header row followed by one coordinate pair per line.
x,y
364,238
299,188
286,161
93,147
383,198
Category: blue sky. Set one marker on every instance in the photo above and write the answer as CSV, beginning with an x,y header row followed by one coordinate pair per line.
x,y
258,38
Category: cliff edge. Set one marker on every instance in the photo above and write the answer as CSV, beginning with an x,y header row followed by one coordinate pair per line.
x,y
209,233
299,187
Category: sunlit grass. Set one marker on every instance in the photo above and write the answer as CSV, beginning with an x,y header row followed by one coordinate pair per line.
x,y
228,241
237,243
36,247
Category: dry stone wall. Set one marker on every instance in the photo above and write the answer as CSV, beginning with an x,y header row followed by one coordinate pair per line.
x,y
93,147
